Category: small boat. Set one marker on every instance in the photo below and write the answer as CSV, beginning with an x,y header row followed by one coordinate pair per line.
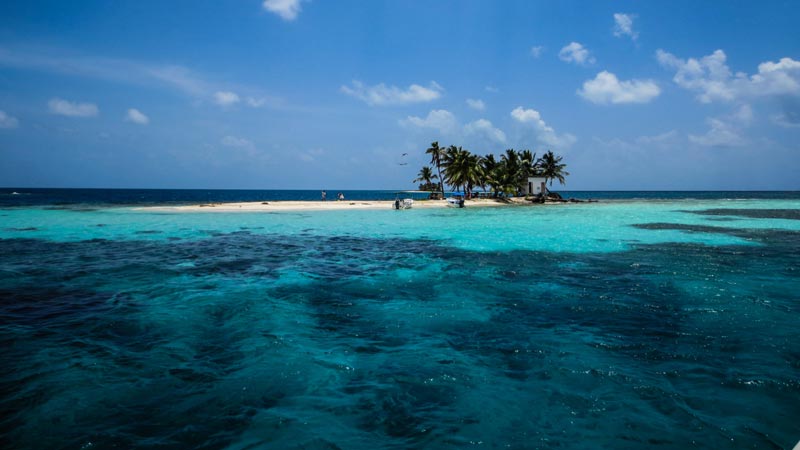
x,y
405,203
455,202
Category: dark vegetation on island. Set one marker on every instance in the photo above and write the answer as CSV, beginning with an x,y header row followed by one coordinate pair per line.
x,y
501,177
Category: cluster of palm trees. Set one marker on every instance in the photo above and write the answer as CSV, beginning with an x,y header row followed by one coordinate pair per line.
x,y
463,170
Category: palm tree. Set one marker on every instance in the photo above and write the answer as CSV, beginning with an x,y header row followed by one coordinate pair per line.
x,y
426,177
488,167
552,168
473,172
510,171
451,162
530,166
463,169
437,153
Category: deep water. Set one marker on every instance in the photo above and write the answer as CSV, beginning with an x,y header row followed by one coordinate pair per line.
x,y
669,324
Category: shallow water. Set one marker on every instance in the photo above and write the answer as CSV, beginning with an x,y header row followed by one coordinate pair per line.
x,y
632,324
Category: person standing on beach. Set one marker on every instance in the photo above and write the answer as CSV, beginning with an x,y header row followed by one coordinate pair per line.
x,y
324,195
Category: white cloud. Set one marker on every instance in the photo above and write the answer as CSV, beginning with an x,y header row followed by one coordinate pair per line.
x,y
226,98
492,89
576,53
381,94
238,142
288,10
136,116
70,109
485,128
623,26
709,75
476,104
605,88
438,119
536,51
778,78
544,133
8,122
255,102
720,134
445,123
712,79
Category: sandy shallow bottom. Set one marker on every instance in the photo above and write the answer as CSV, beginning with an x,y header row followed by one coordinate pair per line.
x,y
330,205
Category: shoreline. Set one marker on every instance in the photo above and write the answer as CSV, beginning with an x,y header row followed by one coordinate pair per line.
x,y
333,205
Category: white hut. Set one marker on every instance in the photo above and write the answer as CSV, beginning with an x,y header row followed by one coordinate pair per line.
x,y
536,185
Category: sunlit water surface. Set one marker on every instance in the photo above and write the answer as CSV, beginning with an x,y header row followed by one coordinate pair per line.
x,y
620,324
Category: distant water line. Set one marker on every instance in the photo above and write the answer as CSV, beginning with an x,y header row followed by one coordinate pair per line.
x,y
63,197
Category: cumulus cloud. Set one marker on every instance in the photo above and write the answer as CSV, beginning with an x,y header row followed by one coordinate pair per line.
x,y
536,51
136,116
485,128
712,79
288,10
492,89
438,119
623,26
226,98
576,53
476,104
445,123
605,88
709,76
382,94
544,133
72,109
8,122
782,77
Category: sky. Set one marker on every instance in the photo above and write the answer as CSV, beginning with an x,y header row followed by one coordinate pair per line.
x,y
320,94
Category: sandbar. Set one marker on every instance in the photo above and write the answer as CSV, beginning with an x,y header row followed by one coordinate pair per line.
x,y
282,205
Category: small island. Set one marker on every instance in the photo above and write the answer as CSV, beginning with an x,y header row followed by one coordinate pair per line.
x,y
515,178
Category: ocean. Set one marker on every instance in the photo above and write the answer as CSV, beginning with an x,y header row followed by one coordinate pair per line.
x,y
649,319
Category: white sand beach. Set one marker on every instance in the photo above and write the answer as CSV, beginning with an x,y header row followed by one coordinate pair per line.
x,y
275,206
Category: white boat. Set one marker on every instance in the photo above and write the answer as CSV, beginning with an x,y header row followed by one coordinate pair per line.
x,y
455,202
405,203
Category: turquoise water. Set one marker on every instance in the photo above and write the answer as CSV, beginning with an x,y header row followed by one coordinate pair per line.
x,y
620,324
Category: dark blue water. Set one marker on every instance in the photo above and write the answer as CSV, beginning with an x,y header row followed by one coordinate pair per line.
x,y
10,197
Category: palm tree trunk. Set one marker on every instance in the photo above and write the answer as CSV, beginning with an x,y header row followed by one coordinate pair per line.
x,y
441,182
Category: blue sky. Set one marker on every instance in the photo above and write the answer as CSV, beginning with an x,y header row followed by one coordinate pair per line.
x,y
284,94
